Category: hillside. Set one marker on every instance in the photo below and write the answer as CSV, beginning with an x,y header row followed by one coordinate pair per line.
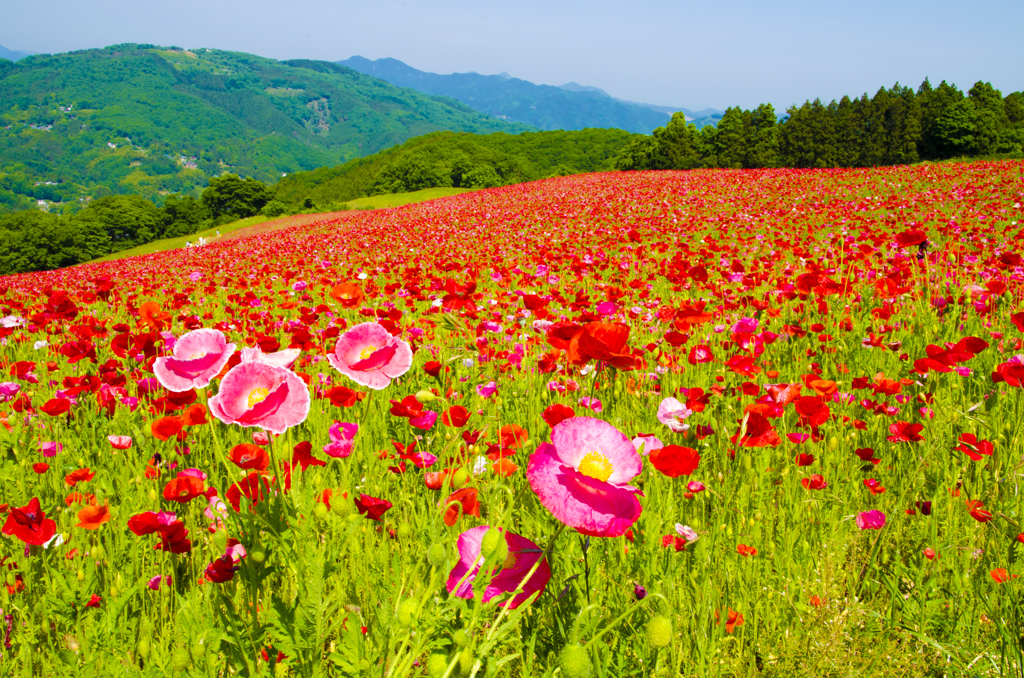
x,y
457,160
148,121
543,106
12,55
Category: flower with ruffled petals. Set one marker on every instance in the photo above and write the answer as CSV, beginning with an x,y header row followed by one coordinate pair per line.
x,y
29,524
370,356
199,356
671,413
262,395
582,477
342,434
523,554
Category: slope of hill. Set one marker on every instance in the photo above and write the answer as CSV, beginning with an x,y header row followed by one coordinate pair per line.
x,y
543,106
462,160
147,120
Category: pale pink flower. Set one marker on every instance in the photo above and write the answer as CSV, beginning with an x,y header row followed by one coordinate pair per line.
x,y
120,442
649,443
257,394
370,356
285,358
199,356
671,413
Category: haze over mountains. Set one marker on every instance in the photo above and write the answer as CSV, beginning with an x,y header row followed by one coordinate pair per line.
x,y
12,54
570,106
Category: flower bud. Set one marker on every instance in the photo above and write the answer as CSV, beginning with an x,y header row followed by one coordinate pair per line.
x,y
659,631
575,662
437,665
425,396
436,555
407,612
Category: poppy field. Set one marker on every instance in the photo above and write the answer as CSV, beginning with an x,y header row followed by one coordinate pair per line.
x,y
697,423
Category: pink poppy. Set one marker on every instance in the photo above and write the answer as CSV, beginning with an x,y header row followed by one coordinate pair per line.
x,y
199,356
871,520
370,356
341,435
581,476
522,555
672,413
649,443
262,395
120,442
285,358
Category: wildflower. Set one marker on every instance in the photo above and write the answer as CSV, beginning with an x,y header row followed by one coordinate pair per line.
x,y
581,477
506,576
266,396
745,550
675,460
672,413
871,520
91,517
199,356
29,524
372,507
370,356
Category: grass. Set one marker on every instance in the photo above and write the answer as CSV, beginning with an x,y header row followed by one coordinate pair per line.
x,y
177,243
372,202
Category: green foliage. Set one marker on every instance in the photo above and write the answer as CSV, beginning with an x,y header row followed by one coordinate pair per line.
x,y
459,160
234,196
37,241
150,121
896,126
129,220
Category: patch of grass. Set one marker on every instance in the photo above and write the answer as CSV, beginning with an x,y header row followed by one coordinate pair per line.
x,y
399,199
177,243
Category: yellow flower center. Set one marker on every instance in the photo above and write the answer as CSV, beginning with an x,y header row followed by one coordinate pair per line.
x,y
367,352
596,465
257,396
510,562
199,354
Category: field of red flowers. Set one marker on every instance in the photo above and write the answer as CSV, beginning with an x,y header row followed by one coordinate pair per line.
x,y
624,424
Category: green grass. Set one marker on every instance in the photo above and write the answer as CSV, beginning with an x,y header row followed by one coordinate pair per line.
x,y
177,243
399,199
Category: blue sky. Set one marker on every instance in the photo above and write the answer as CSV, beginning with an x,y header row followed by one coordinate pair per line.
x,y
718,54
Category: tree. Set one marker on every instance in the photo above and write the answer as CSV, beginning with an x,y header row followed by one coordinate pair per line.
x,y
182,215
37,241
231,195
130,220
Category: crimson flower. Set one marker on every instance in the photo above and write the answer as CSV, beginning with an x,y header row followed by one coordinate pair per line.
x,y
30,524
372,507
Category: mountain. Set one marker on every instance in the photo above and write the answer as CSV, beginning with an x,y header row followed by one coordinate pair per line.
x,y
708,116
149,120
12,55
508,98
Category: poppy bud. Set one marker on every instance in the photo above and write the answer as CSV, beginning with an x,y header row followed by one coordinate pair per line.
x,y
425,396
143,648
659,631
198,650
320,511
575,662
180,659
489,543
460,478
460,638
436,555
437,665
403,531
466,661
341,507
408,610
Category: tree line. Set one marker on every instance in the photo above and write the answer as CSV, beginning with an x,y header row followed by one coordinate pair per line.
x,y
896,126
33,240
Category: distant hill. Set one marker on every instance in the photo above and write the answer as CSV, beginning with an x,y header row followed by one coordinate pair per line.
x,y
708,116
11,54
149,120
570,107
458,160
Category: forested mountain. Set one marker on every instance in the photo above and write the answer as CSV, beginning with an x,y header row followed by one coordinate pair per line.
x,y
11,54
143,120
569,107
456,159
896,126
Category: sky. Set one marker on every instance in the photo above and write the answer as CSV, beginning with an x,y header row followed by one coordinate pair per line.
x,y
666,52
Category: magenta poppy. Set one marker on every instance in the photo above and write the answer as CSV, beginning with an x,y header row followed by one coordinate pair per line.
x,y
582,477
507,576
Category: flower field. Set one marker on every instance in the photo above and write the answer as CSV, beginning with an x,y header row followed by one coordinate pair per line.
x,y
629,424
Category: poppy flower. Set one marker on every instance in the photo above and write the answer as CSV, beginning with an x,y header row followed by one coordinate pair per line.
x,y
166,428
349,295
79,476
120,442
647,443
871,520
255,354
91,517
29,524
198,356
249,457
302,456
40,467
221,570
455,416
905,432
94,601
815,482
672,413
745,550
372,507
461,502
700,354
1000,575
55,407
977,511
341,435
930,553
972,447
556,413
370,356
507,576
581,477
675,460
342,396
604,342
261,395
504,468
184,489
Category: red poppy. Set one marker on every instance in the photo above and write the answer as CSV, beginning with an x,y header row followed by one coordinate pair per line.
x,y
1000,575
248,457
91,517
432,367
195,415
504,468
40,467
166,428
372,507
29,524
804,459
342,396
56,406
434,480
455,416
94,601
461,502
302,456
972,447
556,413
675,460
251,486
745,550
815,482
78,476
905,432
183,489
349,295
977,511
221,570
512,436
